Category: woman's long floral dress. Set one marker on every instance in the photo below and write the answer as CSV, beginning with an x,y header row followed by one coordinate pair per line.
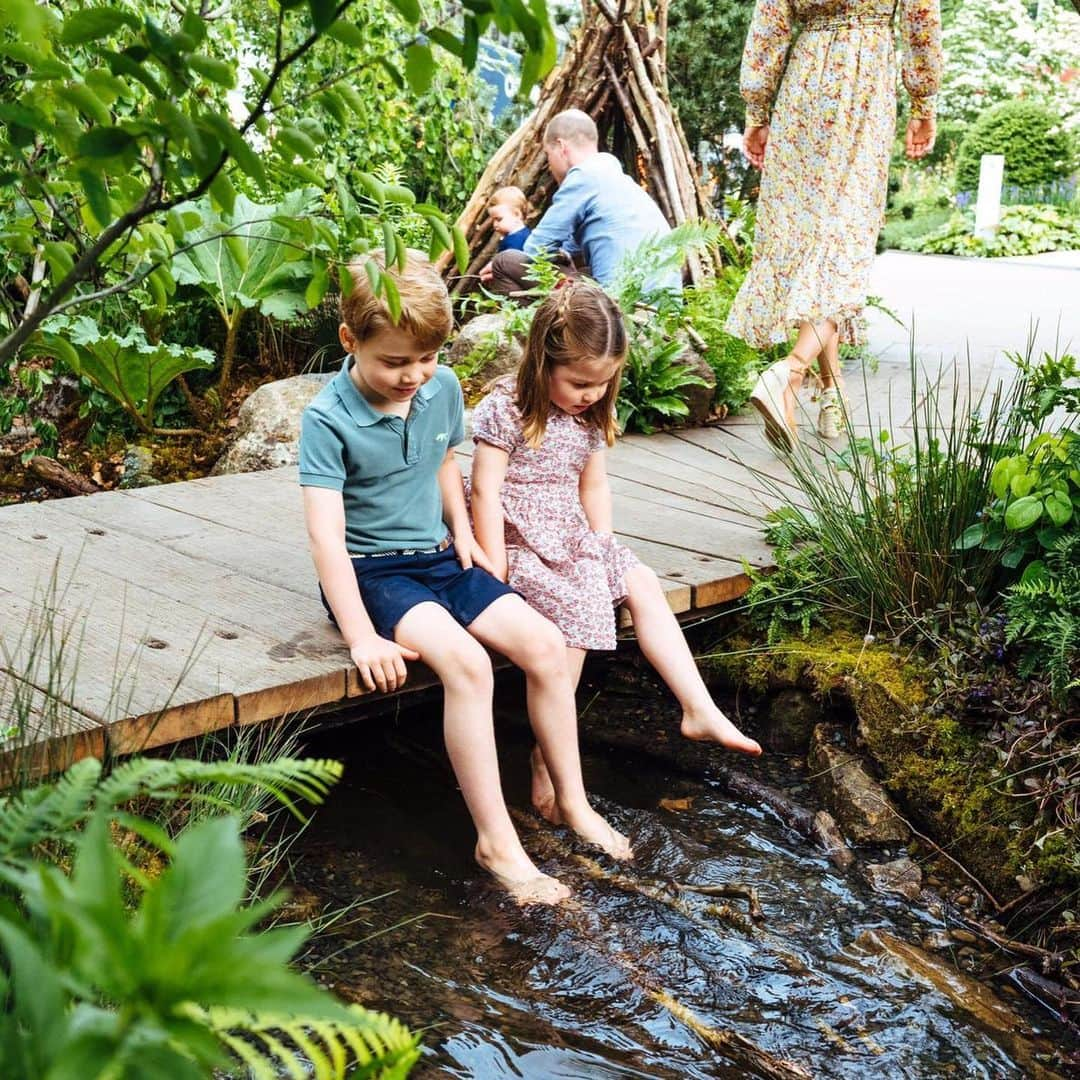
x,y
832,125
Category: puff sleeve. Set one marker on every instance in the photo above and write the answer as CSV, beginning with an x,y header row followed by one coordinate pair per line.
x,y
496,422
920,27
763,58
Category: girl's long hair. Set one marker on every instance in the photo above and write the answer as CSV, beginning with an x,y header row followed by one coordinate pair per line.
x,y
578,321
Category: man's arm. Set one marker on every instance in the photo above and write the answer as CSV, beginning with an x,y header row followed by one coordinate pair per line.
x,y
381,663
556,228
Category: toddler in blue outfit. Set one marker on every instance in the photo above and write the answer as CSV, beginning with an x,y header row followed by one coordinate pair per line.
x,y
509,210
402,575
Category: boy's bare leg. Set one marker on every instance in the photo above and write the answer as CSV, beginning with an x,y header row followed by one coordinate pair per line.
x,y
543,790
525,637
664,645
469,730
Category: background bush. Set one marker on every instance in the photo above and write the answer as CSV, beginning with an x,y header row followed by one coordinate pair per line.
x,y
1037,149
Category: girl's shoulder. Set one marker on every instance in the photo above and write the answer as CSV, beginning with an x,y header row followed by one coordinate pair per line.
x,y
497,419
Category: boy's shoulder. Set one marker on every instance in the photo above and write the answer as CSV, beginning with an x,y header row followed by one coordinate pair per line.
x,y
327,402
448,384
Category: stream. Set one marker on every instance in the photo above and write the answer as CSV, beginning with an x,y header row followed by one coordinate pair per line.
x,y
630,980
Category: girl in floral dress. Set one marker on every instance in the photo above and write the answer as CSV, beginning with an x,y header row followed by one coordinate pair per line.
x,y
541,505
822,141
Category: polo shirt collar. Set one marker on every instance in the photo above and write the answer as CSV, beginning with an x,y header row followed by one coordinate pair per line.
x,y
358,406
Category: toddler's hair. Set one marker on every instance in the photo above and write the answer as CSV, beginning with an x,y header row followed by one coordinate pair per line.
x,y
578,321
513,197
426,314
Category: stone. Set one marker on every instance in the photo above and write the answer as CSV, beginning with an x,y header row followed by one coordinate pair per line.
x,y
832,840
484,349
268,429
965,937
859,803
138,468
699,399
793,715
900,876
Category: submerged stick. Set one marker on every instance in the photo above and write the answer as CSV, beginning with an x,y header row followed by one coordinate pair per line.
x,y
736,889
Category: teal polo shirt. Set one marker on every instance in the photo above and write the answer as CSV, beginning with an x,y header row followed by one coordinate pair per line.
x,y
384,466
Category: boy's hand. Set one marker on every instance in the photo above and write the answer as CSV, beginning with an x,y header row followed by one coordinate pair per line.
x,y
470,554
381,663
486,272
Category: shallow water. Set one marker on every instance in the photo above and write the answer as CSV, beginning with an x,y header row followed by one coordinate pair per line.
x,y
600,990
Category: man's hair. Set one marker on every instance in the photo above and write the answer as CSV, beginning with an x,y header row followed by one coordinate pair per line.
x,y
513,197
578,321
574,126
426,314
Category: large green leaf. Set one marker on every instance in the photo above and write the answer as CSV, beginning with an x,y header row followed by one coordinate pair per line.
x,y
250,258
127,367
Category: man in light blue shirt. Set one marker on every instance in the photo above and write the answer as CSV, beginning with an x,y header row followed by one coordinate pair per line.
x,y
597,216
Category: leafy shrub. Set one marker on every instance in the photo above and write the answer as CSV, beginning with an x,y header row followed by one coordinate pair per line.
x,y
1037,148
654,381
1023,230
1044,617
111,969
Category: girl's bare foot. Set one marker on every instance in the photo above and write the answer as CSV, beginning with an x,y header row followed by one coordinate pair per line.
x,y
592,828
709,724
518,875
543,790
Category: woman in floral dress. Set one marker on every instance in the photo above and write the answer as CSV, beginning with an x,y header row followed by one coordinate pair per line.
x,y
823,143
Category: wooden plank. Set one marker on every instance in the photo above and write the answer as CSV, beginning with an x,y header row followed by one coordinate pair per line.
x,y
711,580
50,736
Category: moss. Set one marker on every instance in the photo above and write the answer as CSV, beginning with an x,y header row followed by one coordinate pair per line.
x,y
946,776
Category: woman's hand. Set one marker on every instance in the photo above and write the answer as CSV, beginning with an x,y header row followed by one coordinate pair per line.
x,y
754,142
919,140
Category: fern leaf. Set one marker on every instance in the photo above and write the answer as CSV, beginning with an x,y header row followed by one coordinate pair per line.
x,y
49,811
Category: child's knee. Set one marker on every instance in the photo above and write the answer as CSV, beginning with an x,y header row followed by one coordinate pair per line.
x,y
547,649
467,666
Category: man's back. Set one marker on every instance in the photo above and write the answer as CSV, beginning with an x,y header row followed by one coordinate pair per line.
x,y
599,211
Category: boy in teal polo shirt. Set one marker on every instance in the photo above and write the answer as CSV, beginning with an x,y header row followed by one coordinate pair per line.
x,y
402,575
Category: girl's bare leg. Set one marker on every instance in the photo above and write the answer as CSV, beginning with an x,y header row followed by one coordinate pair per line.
x,y
664,645
535,645
543,790
465,671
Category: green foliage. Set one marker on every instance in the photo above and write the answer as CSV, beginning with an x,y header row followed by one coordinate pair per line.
x,y
180,986
127,367
1044,616
883,518
652,380
139,110
1037,148
1023,230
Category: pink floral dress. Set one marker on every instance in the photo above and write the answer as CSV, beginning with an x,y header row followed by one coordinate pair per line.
x,y
831,107
569,573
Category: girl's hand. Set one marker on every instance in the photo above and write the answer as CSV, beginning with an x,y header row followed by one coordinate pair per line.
x,y
919,140
470,553
754,141
381,663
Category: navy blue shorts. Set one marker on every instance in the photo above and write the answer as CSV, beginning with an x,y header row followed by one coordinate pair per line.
x,y
392,585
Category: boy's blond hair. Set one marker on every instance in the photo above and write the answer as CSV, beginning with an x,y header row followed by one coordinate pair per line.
x,y
426,314
513,197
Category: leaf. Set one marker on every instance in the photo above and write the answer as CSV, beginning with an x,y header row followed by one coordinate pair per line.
x,y
971,537
348,34
395,75
419,67
105,142
317,286
396,193
1058,508
1034,572
91,24
389,244
409,9
1023,513
97,197
86,101
322,13
235,143
1013,558
444,39
217,71
224,193
461,249
298,141
58,255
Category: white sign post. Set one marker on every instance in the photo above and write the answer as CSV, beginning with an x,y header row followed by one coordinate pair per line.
x,y
988,202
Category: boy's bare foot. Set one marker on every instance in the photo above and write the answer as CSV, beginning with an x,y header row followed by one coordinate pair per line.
x,y
709,724
543,790
518,875
591,827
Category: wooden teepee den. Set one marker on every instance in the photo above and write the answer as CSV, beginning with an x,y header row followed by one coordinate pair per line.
x,y
616,71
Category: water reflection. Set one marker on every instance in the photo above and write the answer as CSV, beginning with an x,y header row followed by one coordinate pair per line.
x,y
625,983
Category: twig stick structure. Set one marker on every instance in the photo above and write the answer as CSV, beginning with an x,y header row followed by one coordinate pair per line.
x,y
616,71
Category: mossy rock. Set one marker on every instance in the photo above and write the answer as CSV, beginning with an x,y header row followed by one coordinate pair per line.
x,y
945,776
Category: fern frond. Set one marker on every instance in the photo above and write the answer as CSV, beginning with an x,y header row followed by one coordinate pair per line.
x,y
284,778
49,811
373,1045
